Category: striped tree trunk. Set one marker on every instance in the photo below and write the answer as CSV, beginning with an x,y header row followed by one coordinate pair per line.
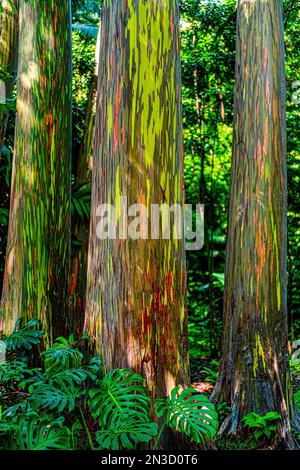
x,y
8,56
254,375
37,263
136,288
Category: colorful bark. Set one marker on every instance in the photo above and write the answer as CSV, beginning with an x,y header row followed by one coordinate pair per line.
x,y
254,372
8,54
136,288
37,264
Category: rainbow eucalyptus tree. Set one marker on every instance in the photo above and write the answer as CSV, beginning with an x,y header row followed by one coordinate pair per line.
x,y
136,287
8,56
36,272
254,375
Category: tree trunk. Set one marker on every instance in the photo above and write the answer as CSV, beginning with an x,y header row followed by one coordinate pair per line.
x,y
37,263
254,375
8,57
136,288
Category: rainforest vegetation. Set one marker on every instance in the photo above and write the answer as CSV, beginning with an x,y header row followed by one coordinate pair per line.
x,y
116,342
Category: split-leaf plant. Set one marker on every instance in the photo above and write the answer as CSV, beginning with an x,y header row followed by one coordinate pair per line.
x,y
57,399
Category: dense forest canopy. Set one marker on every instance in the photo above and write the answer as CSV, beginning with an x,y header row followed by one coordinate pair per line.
x,y
132,98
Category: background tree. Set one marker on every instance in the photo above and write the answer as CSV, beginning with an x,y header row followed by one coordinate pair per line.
x,y
81,196
208,52
36,273
254,373
136,288
292,46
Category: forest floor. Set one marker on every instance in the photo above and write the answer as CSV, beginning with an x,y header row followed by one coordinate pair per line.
x,y
203,377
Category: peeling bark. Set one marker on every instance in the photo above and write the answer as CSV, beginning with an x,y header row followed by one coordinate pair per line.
x,y
136,288
254,373
37,262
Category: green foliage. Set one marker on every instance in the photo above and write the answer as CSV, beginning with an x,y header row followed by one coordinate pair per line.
x,y
6,165
36,402
88,31
292,47
9,104
11,3
262,426
63,354
23,336
81,199
259,432
32,432
297,398
3,216
50,398
84,47
86,11
66,404
208,48
83,70
128,430
121,406
208,30
223,410
189,413
119,391
210,373
64,377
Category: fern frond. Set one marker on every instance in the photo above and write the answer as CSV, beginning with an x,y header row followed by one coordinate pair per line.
x,y
254,420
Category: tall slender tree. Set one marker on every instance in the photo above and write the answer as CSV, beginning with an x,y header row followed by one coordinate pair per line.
x,y
8,57
136,288
36,273
254,373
